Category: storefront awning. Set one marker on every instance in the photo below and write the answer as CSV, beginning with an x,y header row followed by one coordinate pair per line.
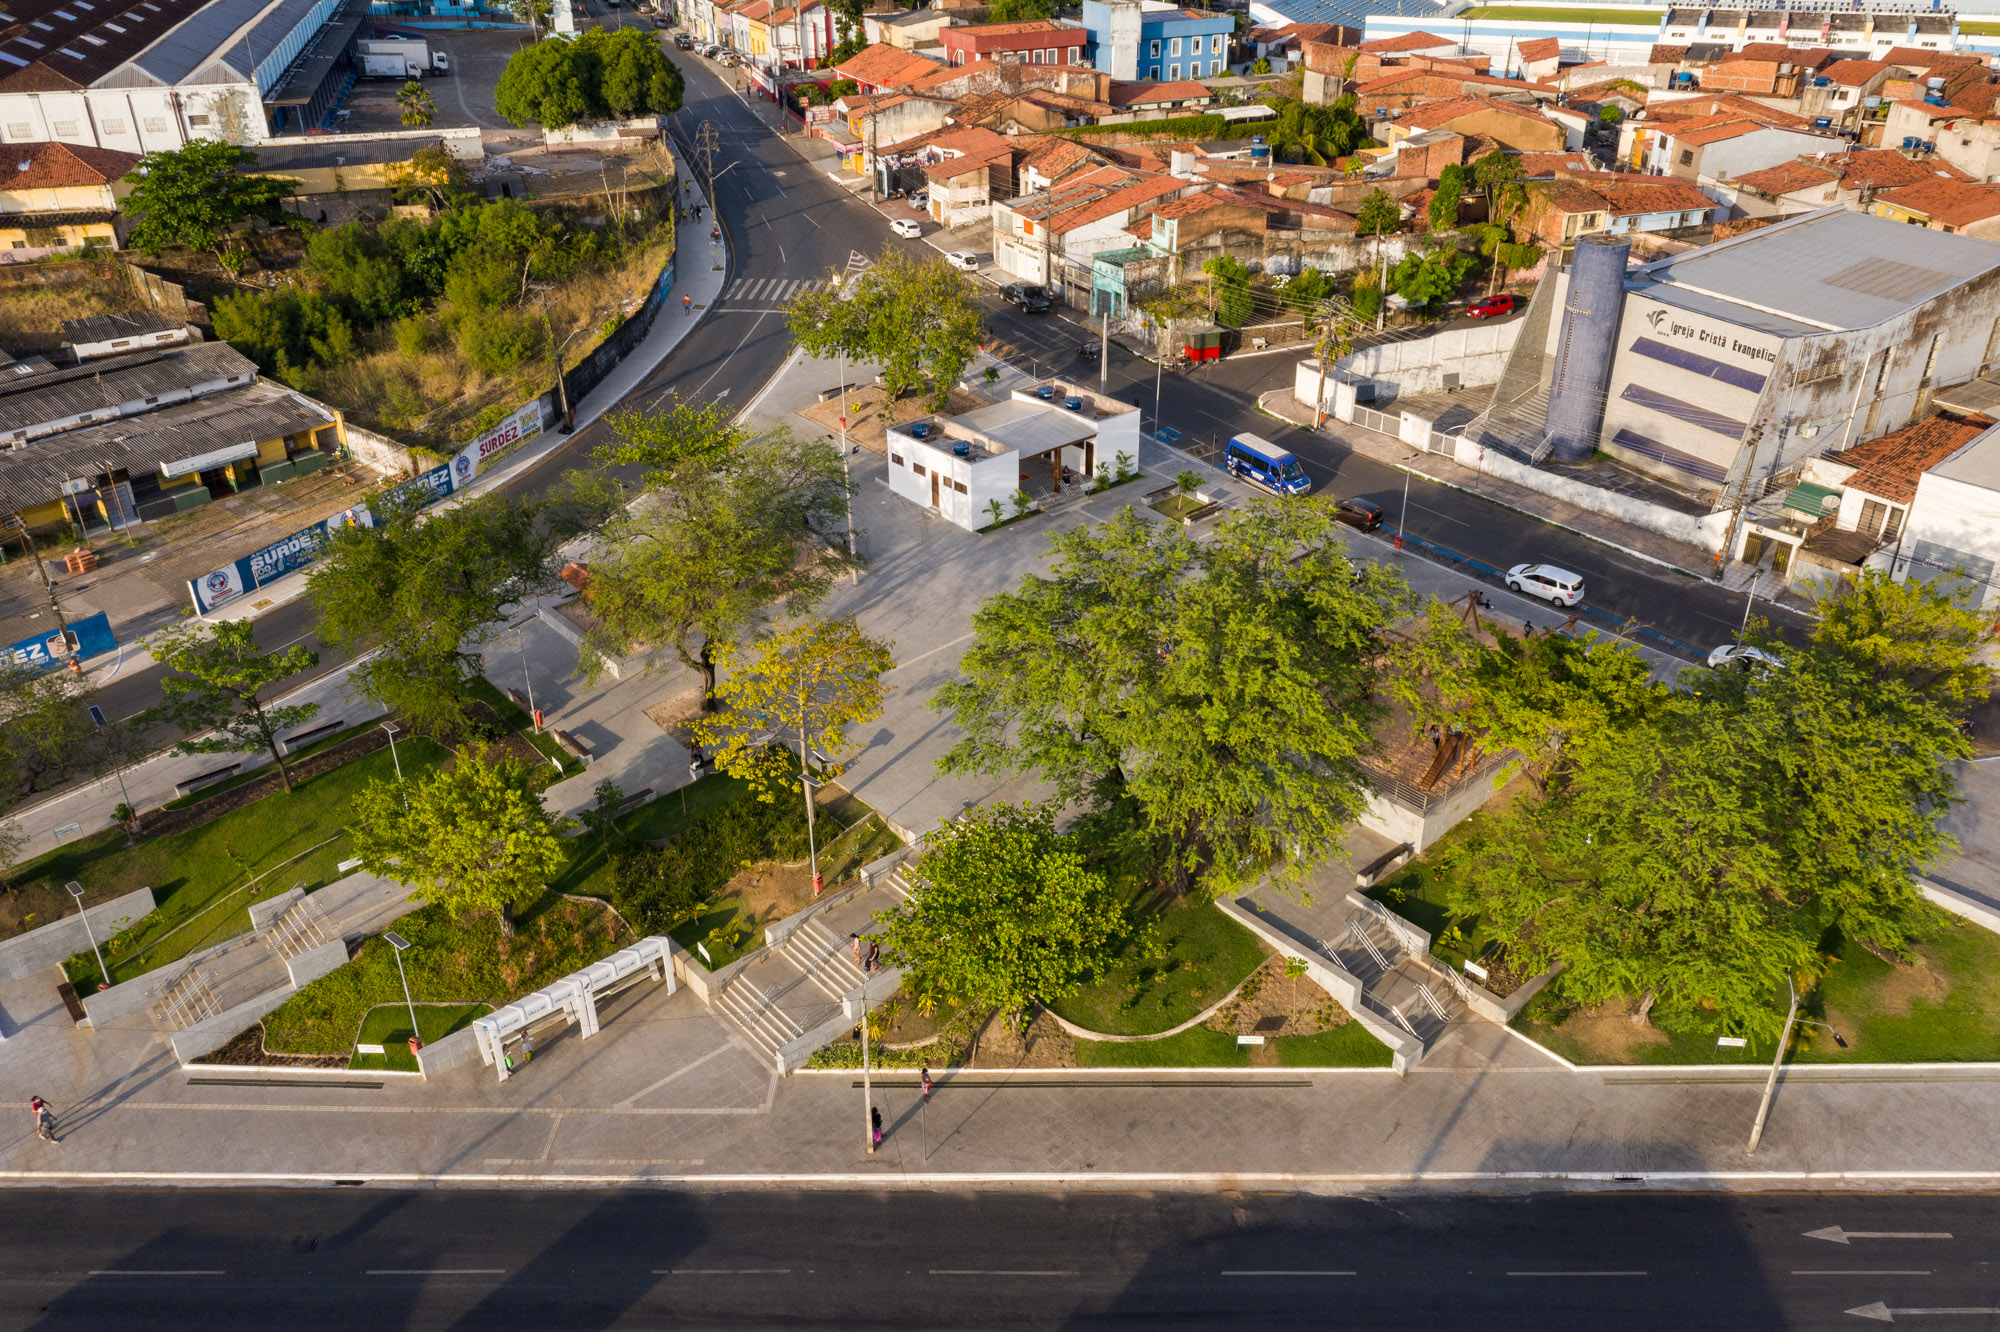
x,y
201,462
1812,499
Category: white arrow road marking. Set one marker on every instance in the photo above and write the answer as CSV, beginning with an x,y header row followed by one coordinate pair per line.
x,y
1839,1236
1882,1313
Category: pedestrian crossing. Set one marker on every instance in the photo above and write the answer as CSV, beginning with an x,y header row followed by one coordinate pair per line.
x,y
768,293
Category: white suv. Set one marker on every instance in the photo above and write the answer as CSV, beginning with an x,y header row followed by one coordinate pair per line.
x,y
1557,586
906,227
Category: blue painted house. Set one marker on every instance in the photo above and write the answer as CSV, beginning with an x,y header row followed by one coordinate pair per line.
x,y
1148,40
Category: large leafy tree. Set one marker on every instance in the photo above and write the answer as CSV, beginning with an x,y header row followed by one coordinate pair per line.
x,y
599,75
1931,636
1431,278
471,837
194,195
1003,912
918,320
1378,214
732,527
1317,135
44,733
421,589
1698,855
1223,692
217,696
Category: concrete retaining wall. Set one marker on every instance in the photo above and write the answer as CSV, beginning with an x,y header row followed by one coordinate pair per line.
x,y
310,965
48,945
1705,531
263,913
379,452
1476,355
461,1047
793,1054
1979,913
226,1026
141,993
1336,980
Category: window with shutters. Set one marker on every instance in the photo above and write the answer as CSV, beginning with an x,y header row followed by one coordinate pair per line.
x,y
1687,157
1174,46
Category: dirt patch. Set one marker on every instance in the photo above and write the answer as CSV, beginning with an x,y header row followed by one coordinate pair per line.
x,y
1900,990
768,892
865,425
671,715
1609,1034
248,1048
905,1027
1041,1044
1273,1004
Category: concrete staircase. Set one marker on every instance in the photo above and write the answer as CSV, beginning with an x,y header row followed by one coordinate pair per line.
x,y
753,1005
823,959
1419,998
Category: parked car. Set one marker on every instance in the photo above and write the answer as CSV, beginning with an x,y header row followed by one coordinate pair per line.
x,y
1361,513
906,226
1552,584
1030,298
1490,307
921,201
965,261
683,41
1741,654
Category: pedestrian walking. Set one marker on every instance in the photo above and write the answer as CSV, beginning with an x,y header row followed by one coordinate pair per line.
x,y
45,1120
687,305
855,939
527,1046
874,958
875,1118
925,1075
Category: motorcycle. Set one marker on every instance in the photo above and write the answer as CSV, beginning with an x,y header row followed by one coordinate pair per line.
x,y
1091,350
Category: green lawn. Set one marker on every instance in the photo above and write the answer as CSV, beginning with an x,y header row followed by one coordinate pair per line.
x,y
259,774
1197,1047
1947,1011
1970,29
389,1027
1206,955
196,875
1417,893
1349,1046
1176,507
467,962
1645,18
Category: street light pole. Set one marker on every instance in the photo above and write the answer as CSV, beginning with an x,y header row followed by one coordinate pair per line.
x,y
867,1082
398,943
390,728
1403,514
76,891
1749,598
1771,1083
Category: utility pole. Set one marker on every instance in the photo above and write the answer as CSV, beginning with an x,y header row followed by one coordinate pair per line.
x,y
1382,310
55,607
1104,351
1771,1083
706,144
562,389
1327,344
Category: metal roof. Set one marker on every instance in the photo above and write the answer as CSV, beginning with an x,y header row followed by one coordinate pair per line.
x,y
115,382
1028,428
1828,270
124,324
1977,464
198,39
34,475
1351,13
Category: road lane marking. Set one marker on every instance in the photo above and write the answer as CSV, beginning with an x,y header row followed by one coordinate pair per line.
x,y
1839,1236
980,1271
1882,1313
1284,1273
156,1272
1578,1274
437,1271
722,1271
1861,1271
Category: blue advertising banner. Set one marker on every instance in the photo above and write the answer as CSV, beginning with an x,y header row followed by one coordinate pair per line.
x,y
44,651
254,570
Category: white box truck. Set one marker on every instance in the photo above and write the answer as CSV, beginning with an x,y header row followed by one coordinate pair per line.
x,y
413,55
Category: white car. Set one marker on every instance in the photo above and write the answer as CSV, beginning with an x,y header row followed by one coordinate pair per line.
x,y
1557,586
1741,654
965,261
906,226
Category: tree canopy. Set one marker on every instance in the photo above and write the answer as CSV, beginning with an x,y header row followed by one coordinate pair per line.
x,y
918,320
732,527
194,195
215,697
1003,912
1221,693
44,734
1317,135
1931,636
470,837
1695,846
423,587
599,75
1378,214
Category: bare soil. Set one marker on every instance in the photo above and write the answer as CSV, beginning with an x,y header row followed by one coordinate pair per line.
x,y
248,1048
1904,985
1272,1004
1608,1031
865,425
1041,1044
671,715
768,892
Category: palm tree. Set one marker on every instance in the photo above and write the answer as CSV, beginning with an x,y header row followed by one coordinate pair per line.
x,y
418,107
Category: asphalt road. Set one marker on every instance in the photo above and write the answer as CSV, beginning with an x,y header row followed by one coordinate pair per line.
x,y
207,1259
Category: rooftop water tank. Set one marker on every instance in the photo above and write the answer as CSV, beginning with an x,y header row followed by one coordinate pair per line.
x,y
961,448
1074,404
1045,391
921,429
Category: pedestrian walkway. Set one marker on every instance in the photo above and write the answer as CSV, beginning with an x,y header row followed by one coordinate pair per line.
x,y
752,293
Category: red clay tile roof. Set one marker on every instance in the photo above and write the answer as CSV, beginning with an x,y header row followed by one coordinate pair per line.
x,y
885,66
1539,48
1788,177
1666,55
1889,466
1854,73
1541,166
48,166
1434,115
1954,203
1013,29
1409,41
1138,94
1887,169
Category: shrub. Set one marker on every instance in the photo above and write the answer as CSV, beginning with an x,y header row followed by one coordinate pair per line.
x,y
414,336
498,342
658,887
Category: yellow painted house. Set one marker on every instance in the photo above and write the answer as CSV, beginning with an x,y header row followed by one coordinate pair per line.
x,y
61,196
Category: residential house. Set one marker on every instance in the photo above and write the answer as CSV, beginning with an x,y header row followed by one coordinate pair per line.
x,y
906,30
879,68
61,196
1156,101
1410,86
1147,40
1858,504
1036,42
1538,58
1965,208
873,122
1712,151
1753,78
1507,122
965,170
1850,179
1048,237
1953,533
1267,232
1845,92
127,331
1964,131
1584,203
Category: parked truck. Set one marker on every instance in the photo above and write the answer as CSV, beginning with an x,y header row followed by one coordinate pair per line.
x,y
399,58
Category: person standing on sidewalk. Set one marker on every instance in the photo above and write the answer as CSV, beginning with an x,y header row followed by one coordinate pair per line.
x,y
687,305
45,1120
855,939
924,1074
875,1119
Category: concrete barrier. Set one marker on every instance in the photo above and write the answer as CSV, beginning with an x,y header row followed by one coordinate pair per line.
x,y
461,1047
263,913
48,945
310,965
793,1054
193,1042
1336,980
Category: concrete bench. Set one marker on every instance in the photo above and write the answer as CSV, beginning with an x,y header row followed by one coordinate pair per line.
x,y
572,744
633,801
295,741
200,780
